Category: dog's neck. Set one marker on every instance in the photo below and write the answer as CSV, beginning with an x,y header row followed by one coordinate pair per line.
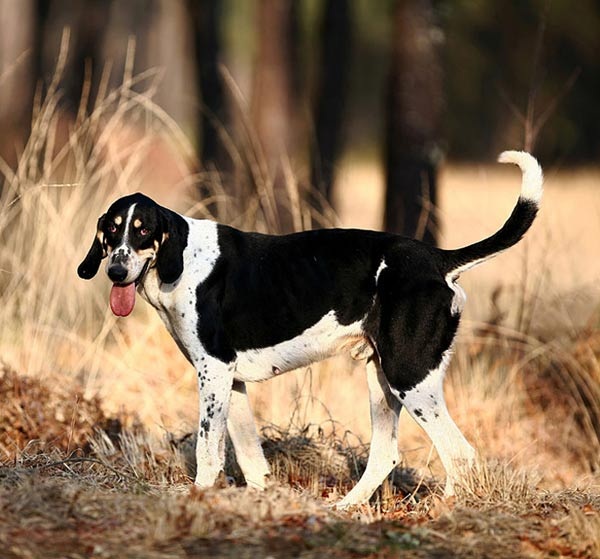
x,y
199,257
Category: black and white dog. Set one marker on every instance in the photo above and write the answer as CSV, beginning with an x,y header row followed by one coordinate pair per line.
x,y
244,307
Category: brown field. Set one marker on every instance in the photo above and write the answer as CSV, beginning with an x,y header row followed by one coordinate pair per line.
x,y
88,402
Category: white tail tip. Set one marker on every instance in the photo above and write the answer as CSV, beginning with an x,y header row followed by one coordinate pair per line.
x,y
533,178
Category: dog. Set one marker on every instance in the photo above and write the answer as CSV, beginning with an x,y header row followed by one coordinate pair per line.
x,y
245,307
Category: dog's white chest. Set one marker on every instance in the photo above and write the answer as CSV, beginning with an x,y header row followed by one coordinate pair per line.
x,y
324,339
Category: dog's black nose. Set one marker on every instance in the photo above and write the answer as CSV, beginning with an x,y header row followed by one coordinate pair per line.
x,y
117,273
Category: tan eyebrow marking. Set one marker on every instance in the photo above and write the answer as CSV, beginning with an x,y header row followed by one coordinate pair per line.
x,y
137,223
118,220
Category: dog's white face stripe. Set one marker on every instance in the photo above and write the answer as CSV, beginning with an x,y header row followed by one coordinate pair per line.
x,y
124,247
127,225
124,253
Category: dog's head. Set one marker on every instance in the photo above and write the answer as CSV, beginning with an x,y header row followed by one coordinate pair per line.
x,y
136,234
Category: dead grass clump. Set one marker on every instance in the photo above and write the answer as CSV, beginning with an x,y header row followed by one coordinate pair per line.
x,y
544,524
54,428
500,512
494,484
564,382
140,456
581,528
322,464
31,412
306,457
50,515
233,512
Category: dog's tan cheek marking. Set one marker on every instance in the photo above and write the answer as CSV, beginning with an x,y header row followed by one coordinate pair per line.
x,y
145,252
156,246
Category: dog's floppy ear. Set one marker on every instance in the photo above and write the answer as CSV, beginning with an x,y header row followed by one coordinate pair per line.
x,y
89,267
169,260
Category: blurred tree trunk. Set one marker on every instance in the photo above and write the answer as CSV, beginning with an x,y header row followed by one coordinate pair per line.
x,y
42,11
413,106
334,65
21,24
84,68
275,95
213,117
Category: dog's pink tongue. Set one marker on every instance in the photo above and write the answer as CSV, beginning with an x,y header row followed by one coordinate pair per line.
x,y
122,299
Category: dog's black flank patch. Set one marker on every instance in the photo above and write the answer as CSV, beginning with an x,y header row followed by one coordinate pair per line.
x,y
266,289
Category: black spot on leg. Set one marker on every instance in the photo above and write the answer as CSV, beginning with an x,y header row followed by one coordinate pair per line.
x,y
210,409
205,425
436,415
423,419
418,412
402,395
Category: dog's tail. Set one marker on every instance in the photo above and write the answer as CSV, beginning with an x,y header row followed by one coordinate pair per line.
x,y
459,260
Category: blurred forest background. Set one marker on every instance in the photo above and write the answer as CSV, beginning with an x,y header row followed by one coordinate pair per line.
x,y
402,83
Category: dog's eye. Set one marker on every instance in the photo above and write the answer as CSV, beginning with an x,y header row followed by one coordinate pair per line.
x,y
144,231
112,228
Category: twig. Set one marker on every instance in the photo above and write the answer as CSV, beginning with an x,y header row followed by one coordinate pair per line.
x,y
75,460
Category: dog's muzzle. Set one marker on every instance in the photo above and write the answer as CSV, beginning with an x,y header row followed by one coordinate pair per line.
x,y
122,296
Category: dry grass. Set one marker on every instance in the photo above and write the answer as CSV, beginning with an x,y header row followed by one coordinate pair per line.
x,y
104,506
98,395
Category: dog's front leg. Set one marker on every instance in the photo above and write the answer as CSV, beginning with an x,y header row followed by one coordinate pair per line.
x,y
215,380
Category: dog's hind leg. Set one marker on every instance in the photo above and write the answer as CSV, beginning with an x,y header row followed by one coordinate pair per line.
x,y
242,431
383,453
426,404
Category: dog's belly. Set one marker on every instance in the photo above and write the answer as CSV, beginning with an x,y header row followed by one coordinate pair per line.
x,y
324,339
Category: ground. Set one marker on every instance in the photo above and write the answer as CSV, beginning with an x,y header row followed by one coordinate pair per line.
x,y
111,489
